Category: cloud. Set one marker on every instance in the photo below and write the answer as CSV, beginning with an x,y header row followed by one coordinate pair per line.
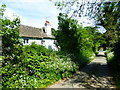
x,y
32,12
35,22
8,13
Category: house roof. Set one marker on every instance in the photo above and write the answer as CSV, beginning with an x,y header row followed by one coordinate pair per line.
x,y
33,32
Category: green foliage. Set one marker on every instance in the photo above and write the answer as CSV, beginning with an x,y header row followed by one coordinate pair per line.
x,y
111,37
10,37
66,35
111,21
53,31
2,9
71,37
116,54
114,65
36,49
109,55
96,38
11,48
75,40
109,15
40,67
44,61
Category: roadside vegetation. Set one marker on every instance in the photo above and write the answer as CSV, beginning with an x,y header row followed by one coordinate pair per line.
x,y
38,68
112,37
114,66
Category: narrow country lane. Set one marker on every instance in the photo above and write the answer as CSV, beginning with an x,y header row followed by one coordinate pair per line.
x,y
95,75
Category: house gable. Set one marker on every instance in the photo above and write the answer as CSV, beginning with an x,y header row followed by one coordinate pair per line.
x,y
31,34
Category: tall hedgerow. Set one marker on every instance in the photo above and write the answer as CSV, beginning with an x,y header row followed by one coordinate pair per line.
x,y
74,39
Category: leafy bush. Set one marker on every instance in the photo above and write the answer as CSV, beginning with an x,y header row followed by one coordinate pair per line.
x,y
36,49
38,68
111,60
11,49
43,61
75,40
110,56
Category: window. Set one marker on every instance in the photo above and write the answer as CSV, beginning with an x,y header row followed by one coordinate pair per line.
x,y
25,40
50,47
43,42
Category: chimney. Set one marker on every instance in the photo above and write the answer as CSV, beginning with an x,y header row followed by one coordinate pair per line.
x,y
48,28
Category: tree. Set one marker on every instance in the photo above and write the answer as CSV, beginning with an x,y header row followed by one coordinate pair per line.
x,y
110,19
97,38
105,14
10,37
1,14
111,37
74,40
11,49
78,8
66,34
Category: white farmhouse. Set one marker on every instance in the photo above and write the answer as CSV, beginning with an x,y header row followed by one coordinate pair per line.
x,y
41,36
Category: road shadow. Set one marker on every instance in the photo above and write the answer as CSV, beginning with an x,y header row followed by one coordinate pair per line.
x,y
97,69
100,55
95,73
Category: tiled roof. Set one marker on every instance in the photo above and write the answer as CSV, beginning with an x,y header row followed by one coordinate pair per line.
x,y
28,31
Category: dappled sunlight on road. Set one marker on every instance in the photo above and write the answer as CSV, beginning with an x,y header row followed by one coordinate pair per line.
x,y
95,75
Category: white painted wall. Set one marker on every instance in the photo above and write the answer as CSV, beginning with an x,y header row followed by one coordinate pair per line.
x,y
36,41
32,40
48,43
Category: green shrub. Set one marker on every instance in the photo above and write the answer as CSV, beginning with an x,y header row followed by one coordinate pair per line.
x,y
111,60
47,67
76,41
11,50
36,49
38,68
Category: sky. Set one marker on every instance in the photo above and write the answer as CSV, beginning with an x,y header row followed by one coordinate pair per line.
x,y
35,12
32,12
